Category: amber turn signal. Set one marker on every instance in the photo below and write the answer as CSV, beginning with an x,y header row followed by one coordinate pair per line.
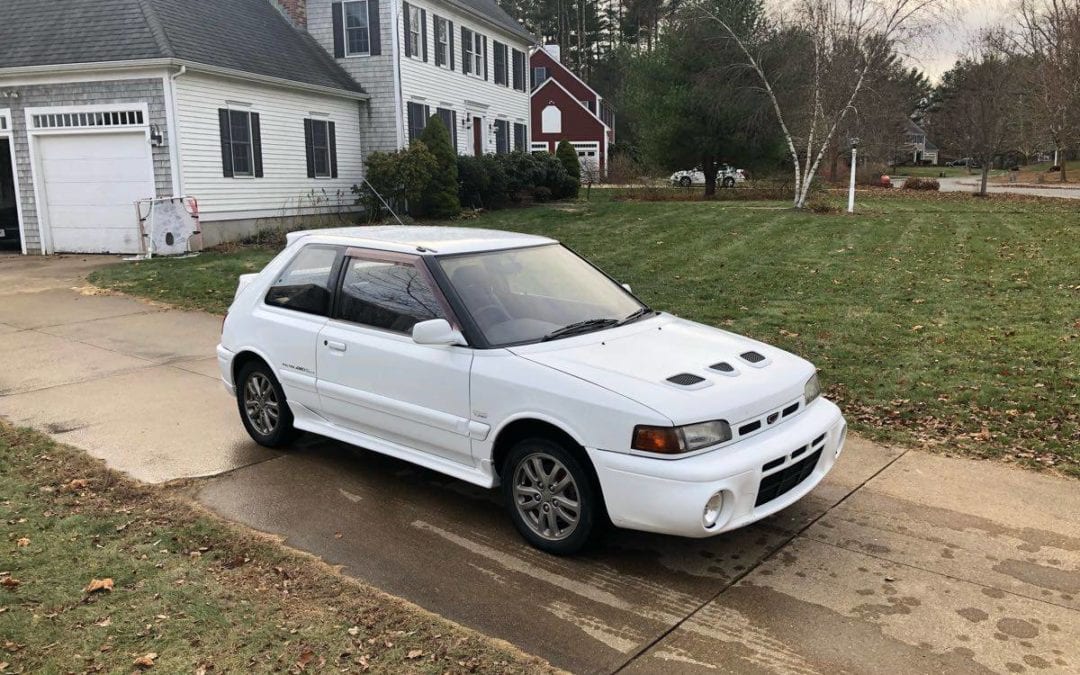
x,y
664,440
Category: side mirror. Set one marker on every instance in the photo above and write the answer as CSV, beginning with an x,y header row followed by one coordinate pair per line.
x,y
436,332
627,287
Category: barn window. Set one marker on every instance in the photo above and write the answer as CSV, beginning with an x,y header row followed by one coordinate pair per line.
x,y
551,120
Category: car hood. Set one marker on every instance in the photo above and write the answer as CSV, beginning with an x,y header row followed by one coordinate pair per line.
x,y
636,361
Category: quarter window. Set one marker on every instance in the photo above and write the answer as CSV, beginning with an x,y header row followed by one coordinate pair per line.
x,y
387,295
357,36
304,285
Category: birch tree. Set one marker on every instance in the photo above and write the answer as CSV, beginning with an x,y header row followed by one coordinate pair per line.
x,y
844,41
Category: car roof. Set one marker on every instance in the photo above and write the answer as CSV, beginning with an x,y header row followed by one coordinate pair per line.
x,y
419,238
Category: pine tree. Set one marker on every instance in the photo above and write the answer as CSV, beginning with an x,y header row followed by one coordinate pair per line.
x,y
440,198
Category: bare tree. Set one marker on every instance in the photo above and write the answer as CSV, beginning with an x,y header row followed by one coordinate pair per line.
x,y
844,42
978,106
1050,39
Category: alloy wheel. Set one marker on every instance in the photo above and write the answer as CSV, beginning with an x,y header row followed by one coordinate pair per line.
x,y
546,496
261,404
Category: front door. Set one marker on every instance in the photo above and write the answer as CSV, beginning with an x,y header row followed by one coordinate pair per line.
x,y
478,136
374,379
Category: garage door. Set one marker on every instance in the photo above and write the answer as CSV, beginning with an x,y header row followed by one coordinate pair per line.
x,y
91,184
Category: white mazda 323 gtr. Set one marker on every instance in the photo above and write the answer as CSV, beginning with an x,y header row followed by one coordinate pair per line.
x,y
506,360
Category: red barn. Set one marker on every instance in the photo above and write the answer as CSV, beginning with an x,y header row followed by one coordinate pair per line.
x,y
564,108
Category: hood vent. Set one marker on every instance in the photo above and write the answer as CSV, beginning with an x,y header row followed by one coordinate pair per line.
x,y
686,379
755,359
724,368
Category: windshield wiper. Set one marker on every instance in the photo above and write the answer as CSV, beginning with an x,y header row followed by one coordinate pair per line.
x,y
643,312
580,327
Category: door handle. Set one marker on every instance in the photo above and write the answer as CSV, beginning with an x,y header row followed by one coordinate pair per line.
x,y
336,346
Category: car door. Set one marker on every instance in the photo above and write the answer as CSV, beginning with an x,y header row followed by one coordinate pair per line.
x,y
291,315
374,379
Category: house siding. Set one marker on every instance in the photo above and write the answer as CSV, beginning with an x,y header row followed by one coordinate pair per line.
x,y
376,73
285,190
559,72
468,95
97,92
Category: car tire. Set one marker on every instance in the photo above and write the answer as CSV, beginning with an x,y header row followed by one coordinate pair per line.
x,y
262,405
685,181
554,478
729,182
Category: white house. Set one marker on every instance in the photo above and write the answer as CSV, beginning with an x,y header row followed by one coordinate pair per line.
x,y
233,102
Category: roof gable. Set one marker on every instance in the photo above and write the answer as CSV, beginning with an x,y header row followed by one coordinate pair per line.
x,y
542,56
553,83
493,13
243,35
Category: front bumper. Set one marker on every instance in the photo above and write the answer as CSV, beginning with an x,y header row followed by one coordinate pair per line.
x,y
669,495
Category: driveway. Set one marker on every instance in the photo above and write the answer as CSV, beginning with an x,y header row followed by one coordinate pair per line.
x,y
900,562
972,184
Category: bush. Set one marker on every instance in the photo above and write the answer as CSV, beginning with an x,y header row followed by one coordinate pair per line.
x,y
401,179
440,198
492,181
568,156
917,183
481,182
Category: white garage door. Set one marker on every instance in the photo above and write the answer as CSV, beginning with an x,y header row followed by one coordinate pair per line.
x,y
91,184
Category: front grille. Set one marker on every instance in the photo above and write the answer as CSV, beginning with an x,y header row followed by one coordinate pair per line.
x,y
785,480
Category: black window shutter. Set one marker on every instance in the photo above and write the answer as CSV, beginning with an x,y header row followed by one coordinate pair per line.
x,y
453,125
408,30
466,36
339,31
332,131
498,63
423,33
438,46
484,57
374,28
450,36
226,143
256,144
309,146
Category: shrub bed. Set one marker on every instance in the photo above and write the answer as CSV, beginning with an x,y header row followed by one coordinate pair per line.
x,y
917,183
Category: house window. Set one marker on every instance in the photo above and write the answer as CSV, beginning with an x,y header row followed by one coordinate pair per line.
x,y
502,74
540,75
321,140
442,41
418,116
357,36
502,137
551,120
479,55
415,34
449,120
519,69
237,146
520,135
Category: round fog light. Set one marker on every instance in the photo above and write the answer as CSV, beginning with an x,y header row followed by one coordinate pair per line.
x,y
712,509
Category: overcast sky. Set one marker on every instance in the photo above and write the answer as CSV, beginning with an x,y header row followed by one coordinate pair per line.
x,y
971,16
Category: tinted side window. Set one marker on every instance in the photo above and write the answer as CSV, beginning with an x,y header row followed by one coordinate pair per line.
x,y
388,295
304,285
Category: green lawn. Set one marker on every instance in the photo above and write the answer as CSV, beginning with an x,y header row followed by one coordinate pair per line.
x,y
200,595
940,320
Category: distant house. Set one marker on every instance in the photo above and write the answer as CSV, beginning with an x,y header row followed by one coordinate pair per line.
x,y
564,108
918,147
254,107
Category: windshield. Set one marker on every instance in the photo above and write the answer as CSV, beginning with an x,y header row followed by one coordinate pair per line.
x,y
532,294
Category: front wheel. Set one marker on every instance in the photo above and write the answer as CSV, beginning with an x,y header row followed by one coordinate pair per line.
x,y
550,496
729,182
685,181
263,408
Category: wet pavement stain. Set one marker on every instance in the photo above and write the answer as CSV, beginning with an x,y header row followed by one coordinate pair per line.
x,y
973,614
1017,628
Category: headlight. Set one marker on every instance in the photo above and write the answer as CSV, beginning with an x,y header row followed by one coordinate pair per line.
x,y
812,389
679,440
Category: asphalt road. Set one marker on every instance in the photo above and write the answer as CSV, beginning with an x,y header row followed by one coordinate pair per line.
x,y
899,562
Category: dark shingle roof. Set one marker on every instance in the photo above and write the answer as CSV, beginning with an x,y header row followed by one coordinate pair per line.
x,y
495,14
245,35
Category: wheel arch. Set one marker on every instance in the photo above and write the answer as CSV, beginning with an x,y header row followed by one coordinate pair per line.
x,y
245,356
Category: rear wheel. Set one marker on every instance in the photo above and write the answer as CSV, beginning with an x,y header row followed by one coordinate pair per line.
x,y
685,181
550,496
729,182
263,408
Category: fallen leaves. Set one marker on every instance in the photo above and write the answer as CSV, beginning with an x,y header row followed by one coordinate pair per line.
x,y
10,583
414,654
146,660
98,585
22,542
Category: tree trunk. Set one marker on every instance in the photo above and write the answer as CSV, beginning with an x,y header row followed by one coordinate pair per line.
x,y
985,176
708,166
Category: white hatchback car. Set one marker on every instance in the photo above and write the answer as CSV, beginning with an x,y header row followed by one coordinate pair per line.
x,y
506,359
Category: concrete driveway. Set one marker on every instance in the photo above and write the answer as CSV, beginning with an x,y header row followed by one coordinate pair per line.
x,y
899,562
971,184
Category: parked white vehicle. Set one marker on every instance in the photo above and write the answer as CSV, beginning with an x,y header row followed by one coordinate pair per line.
x,y
506,359
727,176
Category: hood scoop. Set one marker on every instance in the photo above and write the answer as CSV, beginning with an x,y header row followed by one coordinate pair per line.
x,y
688,381
755,359
725,368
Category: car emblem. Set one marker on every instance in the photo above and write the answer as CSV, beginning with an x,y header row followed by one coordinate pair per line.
x,y
772,418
